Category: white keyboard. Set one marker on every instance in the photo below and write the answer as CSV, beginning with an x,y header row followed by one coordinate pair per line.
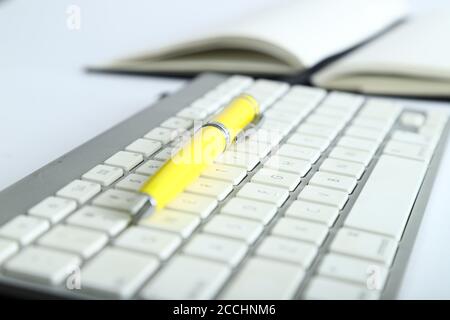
x,y
312,204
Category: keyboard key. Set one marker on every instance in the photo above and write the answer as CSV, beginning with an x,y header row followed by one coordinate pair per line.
x,y
321,288
212,188
103,174
127,201
309,141
288,250
261,149
263,279
254,210
149,167
409,151
380,207
364,245
273,125
343,100
227,173
81,241
238,159
304,153
301,230
110,221
224,250
319,131
412,119
168,220
132,182
125,160
359,144
192,114
53,208
333,181
365,272
365,133
326,121
24,229
266,136
324,196
277,178
342,167
7,249
261,192
165,154
42,265
145,146
288,164
381,109
159,243
233,227
177,123
313,211
204,280
414,138
162,135
358,156
285,115
299,92
192,203
118,273
80,190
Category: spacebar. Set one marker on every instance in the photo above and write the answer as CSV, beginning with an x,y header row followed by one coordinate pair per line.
x,y
388,196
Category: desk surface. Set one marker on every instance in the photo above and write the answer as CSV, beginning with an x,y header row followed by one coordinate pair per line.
x,y
49,105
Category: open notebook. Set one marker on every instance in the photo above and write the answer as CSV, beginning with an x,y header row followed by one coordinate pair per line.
x,y
297,35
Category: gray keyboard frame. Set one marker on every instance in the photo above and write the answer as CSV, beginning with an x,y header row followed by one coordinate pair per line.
x,y
55,175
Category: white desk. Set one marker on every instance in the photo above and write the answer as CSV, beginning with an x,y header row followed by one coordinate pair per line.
x,y
48,105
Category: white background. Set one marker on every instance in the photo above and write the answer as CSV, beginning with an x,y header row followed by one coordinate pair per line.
x,y
49,105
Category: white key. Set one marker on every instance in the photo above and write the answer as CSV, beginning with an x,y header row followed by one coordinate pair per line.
x,y
309,141
277,178
364,245
381,109
287,250
358,144
364,133
288,164
282,127
301,230
238,159
358,156
261,192
324,196
415,138
412,119
125,160
42,265
81,241
227,173
103,174
165,154
367,273
343,100
254,210
168,220
267,136
304,153
159,243
409,151
380,207
53,208
212,188
333,181
149,167
224,250
192,203
80,190
233,227
299,92
342,167
313,212
7,249
335,112
177,123
326,121
24,229
371,123
263,279
285,115
192,114
319,131
208,105
132,182
162,135
145,146
204,281
321,288
258,148
131,202
110,221
117,273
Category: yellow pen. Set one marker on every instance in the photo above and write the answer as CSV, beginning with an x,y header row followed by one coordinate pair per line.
x,y
201,151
